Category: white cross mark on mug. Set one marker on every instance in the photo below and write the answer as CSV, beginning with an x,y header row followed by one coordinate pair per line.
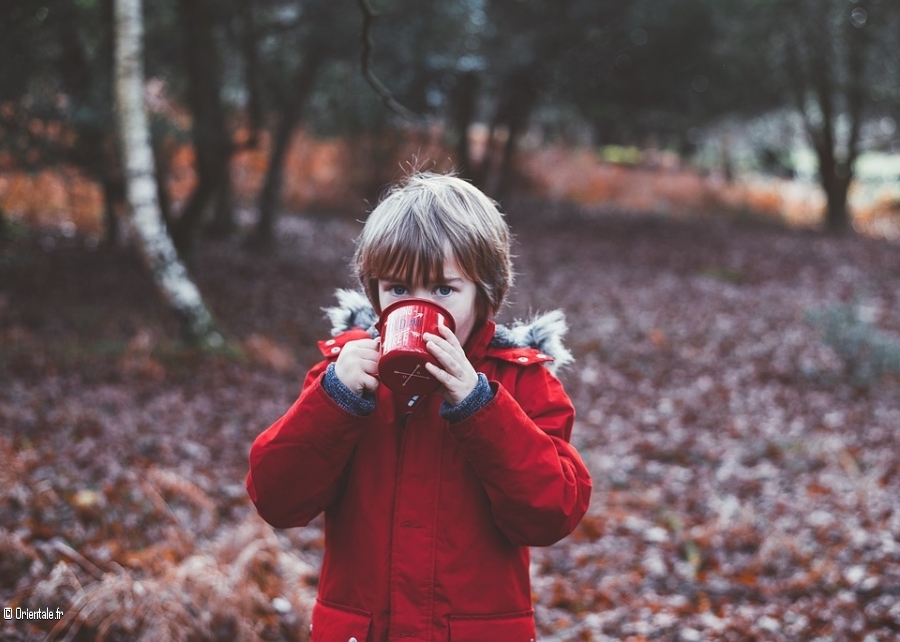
x,y
410,375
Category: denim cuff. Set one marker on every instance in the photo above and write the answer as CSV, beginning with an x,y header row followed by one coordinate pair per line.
x,y
477,399
344,397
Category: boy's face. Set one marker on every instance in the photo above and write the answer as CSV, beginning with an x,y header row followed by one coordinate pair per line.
x,y
455,293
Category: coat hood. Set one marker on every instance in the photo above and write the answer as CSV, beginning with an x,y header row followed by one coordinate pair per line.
x,y
542,332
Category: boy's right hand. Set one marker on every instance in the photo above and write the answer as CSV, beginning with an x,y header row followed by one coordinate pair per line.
x,y
357,365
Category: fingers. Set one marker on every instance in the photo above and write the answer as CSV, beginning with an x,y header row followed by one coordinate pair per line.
x,y
452,383
366,350
455,373
448,353
369,383
357,365
444,377
449,336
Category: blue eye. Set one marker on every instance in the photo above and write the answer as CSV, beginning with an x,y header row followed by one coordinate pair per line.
x,y
443,290
397,290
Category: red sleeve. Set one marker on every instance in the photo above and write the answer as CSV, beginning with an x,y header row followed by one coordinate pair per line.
x,y
297,464
518,444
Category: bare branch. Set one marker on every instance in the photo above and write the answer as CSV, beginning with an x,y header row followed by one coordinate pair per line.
x,y
365,58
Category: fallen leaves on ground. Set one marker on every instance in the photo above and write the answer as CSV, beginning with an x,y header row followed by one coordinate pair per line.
x,y
745,469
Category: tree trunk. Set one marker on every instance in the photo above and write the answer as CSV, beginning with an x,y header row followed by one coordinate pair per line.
x,y
252,71
162,167
516,126
212,142
837,215
263,234
113,195
110,174
835,180
463,113
223,224
835,174
157,250
515,109
816,68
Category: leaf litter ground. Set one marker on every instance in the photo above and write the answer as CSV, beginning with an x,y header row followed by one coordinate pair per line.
x,y
745,468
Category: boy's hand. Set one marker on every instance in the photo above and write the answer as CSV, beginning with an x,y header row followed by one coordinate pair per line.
x,y
357,365
456,374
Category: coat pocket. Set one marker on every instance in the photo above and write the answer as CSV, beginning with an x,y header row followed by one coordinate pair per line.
x,y
512,627
331,623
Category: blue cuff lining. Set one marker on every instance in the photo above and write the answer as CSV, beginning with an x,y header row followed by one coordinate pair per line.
x,y
344,397
477,399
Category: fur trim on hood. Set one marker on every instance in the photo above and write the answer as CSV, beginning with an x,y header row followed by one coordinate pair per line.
x,y
352,311
543,332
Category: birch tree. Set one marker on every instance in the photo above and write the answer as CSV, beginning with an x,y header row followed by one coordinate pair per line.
x,y
156,247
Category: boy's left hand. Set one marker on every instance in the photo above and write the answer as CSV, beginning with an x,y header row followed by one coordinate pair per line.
x,y
456,374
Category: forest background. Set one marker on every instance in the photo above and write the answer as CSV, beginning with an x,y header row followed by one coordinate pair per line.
x,y
710,189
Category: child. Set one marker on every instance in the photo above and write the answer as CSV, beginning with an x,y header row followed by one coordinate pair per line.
x,y
430,503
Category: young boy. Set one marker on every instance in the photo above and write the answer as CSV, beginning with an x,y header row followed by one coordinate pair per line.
x,y
430,503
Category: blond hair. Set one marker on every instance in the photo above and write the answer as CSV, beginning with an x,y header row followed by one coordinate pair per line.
x,y
426,219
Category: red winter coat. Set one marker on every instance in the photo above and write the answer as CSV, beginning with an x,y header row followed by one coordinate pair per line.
x,y
427,524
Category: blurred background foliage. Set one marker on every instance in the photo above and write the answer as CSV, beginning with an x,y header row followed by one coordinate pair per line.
x,y
793,88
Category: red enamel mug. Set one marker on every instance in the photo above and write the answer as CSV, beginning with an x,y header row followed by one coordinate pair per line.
x,y
403,352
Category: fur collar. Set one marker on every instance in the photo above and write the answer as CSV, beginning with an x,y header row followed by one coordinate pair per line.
x,y
543,332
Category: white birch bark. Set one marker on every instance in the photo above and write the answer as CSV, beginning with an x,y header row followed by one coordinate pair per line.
x,y
159,254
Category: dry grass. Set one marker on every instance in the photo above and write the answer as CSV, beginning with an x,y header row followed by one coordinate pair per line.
x,y
203,581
